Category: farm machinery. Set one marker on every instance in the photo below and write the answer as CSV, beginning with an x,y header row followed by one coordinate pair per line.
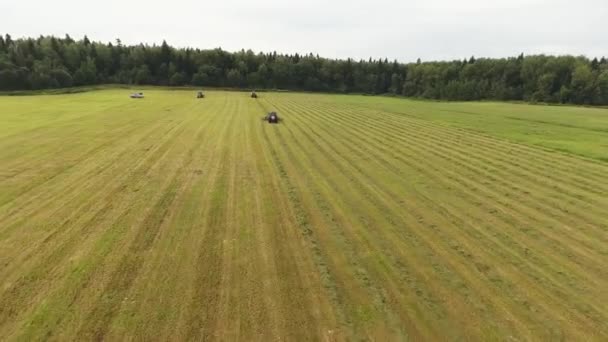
x,y
272,118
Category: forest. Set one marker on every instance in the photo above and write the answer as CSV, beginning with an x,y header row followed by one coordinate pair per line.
x,y
52,62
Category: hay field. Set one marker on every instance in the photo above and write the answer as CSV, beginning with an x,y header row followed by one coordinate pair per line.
x,y
172,218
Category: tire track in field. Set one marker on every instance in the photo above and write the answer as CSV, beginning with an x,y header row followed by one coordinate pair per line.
x,y
93,172
464,165
204,307
553,159
549,158
370,179
75,283
145,311
278,244
304,225
24,144
458,162
456,139
497,180
97,323
504,146
255,303
74,185
168,269
360,275
338,209
67,165
285,242
575,198
123,277
56,122
29,285
63,221
72,137
396,157
188,313
114,123
228,319
400,260
240,314
358,236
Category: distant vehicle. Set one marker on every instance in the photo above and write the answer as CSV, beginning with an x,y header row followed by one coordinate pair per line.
x,y
200,95
137,95
254,95
272,117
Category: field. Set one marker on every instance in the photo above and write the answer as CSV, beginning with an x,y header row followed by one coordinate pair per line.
x,y
172,218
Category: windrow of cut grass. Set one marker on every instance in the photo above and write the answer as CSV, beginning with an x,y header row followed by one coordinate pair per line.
x,y
528,212
573,130
353,218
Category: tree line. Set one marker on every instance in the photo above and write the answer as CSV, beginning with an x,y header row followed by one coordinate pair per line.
x,y
52,62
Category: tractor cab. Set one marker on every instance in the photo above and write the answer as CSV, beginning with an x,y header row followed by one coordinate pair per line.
x,y
272,117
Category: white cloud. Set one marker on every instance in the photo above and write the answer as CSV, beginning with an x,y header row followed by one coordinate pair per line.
x,y
405,30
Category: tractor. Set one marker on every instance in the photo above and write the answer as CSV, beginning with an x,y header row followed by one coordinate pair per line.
x,y
200,95
254,95
272,118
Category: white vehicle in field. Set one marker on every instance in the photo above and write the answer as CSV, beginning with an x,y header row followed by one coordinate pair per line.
x,y
137,95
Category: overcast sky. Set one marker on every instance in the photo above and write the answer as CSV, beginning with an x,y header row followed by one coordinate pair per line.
x,y
397,29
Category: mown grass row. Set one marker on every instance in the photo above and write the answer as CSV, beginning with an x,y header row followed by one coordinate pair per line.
x,y
391,220
373,151
69,236
193,219
126,187
304,222
494,178
549,158
381,248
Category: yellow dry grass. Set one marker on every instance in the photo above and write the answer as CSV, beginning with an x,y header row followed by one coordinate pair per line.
x,y
172,218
